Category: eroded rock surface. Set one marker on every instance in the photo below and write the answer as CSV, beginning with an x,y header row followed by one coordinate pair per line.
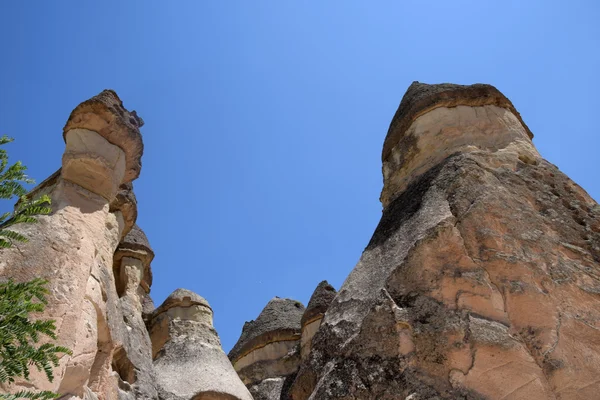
x,y
188,358
73,249
481,279
269,347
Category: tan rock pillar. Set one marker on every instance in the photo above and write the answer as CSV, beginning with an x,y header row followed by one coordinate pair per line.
x,y
131,372
481,279
189,361
133,275
73,246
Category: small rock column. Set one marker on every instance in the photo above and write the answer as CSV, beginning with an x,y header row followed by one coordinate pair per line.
x,y
188,358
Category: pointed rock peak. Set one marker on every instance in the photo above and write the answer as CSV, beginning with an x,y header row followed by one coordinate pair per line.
x,y
279,320
319,302
421,98
106,115
136,239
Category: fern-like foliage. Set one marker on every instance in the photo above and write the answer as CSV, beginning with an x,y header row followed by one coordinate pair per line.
x,y
12,179
20,334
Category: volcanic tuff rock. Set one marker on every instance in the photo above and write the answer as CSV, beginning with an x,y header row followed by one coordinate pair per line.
x,y
482,277
97,262
189,360
481,280
311,319
268,352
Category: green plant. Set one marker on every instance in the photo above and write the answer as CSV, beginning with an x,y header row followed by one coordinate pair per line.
x,y
19,333
12,179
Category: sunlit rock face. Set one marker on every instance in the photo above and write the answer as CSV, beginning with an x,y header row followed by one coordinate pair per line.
x,y
481,280
73,247
267,355
188,358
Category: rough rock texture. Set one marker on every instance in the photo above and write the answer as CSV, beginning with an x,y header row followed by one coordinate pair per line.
x,y
268,351
98,264
134,245
133,277
125,202
189,360
482,277
313,315
105,115
73,249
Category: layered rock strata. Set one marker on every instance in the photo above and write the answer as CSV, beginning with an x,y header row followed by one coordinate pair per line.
x,y
481,279
188,358
267,355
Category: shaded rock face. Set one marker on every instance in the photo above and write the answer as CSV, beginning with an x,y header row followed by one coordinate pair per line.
x,y
268,351
311,319
482,277
188,358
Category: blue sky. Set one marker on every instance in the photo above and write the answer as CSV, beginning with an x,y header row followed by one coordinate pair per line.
x,y
265,119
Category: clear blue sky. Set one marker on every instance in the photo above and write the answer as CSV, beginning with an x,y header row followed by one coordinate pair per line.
x,y
265,119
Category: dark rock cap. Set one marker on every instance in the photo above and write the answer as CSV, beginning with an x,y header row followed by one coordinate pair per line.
x,y
126,202
135,244
279,320
106,115
319,302
181,298
421,98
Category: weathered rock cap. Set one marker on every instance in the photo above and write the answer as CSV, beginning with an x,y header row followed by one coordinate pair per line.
x,y
319,302
126,202
106,115
182,298
135,244
421,98
279,320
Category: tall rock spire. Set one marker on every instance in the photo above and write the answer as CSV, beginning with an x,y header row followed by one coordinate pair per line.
x,y
481,279
73,247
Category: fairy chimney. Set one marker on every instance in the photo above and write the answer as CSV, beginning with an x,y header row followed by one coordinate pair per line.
x,y
481,279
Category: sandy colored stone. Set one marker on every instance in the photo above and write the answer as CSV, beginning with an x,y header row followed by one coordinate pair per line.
x,y
481,279
93,163
73,249
421,98
189,361
135,245
105,115
126,202
311,319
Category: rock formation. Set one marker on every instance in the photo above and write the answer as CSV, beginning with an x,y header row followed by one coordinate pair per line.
x,y
313,315
482,277
481,280
97,262
268,351
188,358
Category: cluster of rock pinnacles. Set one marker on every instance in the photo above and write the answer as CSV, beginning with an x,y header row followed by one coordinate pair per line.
x,y
481,281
